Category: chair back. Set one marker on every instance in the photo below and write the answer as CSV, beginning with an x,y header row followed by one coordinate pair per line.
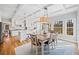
x,y
53,37
34,39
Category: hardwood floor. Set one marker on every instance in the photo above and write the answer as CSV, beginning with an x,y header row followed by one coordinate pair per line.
x,y
9,45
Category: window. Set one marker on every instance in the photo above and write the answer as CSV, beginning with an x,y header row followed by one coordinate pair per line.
x,y
58,27
45,27
70,27
37,27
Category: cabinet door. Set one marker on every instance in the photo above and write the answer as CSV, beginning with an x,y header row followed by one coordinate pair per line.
x,y
0,32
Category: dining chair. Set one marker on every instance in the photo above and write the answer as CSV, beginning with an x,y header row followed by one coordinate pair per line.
x,y
43,41
53,40
35,43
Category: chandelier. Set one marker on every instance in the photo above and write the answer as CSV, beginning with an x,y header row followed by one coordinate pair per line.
x,y
44,19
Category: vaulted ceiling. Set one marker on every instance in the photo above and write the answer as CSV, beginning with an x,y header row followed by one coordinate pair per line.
x,y
20,11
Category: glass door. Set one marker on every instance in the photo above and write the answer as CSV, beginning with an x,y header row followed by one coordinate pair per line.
x,y
70,29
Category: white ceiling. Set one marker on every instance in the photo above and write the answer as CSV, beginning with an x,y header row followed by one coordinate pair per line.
x,y
8,11
27,10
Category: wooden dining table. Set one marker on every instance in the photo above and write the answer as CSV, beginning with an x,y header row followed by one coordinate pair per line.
x,y
42,39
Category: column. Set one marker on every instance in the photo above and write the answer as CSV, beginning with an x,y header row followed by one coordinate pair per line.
x,y
77,34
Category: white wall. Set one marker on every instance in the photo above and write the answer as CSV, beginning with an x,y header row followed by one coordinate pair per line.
x,y
29,24
78,27
65,18
0,19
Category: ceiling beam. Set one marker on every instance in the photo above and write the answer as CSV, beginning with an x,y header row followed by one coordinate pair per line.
x,y
39,10
63,7
15,11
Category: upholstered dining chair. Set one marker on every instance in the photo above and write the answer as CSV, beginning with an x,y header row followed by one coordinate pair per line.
x,y
35,43
53,40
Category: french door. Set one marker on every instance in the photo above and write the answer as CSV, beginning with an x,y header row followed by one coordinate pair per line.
x,y
67,29
70,29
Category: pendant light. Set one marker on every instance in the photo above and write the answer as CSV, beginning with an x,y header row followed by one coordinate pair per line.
x,y
44,19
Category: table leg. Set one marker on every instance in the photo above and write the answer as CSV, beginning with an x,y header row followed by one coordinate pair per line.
x,y
42,48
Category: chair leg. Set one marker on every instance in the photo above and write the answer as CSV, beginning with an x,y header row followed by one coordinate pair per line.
x,y
48,49
56,42
52,44
31,48
36,50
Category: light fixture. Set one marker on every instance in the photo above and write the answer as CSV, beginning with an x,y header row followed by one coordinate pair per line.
x,y
25,24
25,27
44,19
